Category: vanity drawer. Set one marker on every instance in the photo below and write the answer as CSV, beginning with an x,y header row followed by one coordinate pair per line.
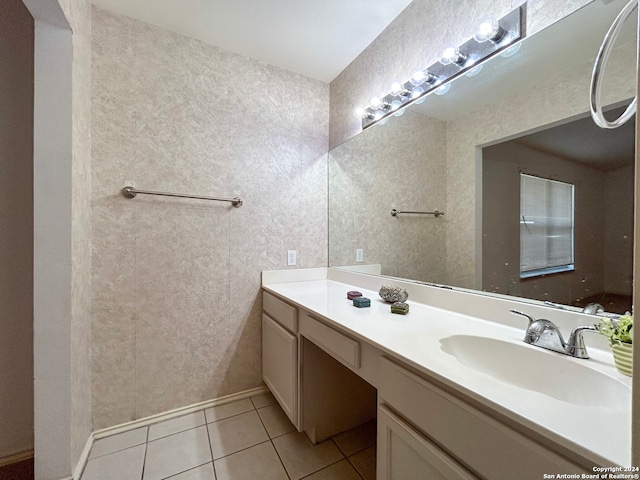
x,y
335,343
282,312
490,449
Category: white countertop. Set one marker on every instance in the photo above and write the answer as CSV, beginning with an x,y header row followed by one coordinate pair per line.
x,y
601,435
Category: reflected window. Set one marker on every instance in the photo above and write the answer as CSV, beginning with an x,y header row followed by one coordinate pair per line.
x,y
546,226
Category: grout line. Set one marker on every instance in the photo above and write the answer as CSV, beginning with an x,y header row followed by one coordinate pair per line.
x,y
324,468
144,458
188,470
213,460
273,445
280,458
174,433
118,450
355,468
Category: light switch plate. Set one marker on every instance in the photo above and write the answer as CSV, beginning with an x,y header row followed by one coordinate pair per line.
x,y
291,257
359,255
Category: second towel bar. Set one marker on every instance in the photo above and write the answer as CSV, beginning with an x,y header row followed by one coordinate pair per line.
x,y
435,213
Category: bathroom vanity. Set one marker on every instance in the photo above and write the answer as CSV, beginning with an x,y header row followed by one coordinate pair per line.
x,y
456,393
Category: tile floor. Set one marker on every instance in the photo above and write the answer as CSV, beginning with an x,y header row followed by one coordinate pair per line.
x,y
248,439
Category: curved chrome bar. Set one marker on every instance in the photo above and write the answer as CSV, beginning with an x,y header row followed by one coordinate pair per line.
x,y
131,192
598,70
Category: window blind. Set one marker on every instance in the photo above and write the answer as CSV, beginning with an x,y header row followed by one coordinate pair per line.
x,y
546,225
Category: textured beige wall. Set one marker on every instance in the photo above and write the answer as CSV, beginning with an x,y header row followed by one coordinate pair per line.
x,y
400,165
78,13
413,39
176,305
16,228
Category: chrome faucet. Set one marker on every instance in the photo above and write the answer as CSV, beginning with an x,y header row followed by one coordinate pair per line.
x,y
589,309
545,334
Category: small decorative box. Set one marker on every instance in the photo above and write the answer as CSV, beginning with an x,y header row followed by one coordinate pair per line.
x,y
353,294
361,302
400,307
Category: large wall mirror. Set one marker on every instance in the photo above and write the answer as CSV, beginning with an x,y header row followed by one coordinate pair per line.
x,y
538,201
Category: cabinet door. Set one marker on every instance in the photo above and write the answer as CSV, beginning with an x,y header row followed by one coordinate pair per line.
x,y
280,365
404,454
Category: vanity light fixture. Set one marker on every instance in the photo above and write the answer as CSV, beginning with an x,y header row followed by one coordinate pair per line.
x,y
491,37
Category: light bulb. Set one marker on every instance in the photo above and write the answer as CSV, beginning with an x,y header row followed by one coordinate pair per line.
x,y
452,54
418,78
421,100
399,113
443,89
488,29
375,102
359,111
395,105
397,88
383,121
378,115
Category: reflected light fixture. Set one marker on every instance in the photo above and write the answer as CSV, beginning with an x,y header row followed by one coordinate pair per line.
x,y
443,89
491,37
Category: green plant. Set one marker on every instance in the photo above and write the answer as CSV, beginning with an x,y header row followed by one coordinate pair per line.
x,y
617,331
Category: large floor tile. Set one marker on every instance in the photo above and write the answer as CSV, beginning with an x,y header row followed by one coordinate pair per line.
x,y
121,465
233,434
259,462
203,472
275,420
365,463
228,410
300,457
175,425
121,441
177,453
357,439
263,400
342,470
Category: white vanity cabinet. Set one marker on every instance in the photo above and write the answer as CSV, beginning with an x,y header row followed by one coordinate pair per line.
x,y
280,353
467,438
331,369
405,454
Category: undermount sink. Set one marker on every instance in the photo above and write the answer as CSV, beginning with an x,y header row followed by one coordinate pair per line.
x,y
535,369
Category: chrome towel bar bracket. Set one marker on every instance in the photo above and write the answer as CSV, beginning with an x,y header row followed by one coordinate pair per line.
x,y
131,192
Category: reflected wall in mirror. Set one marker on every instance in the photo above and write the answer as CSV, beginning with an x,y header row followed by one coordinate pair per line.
x,y
432,158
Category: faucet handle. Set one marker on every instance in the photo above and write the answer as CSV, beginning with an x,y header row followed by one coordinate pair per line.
x,y
575,345
529,317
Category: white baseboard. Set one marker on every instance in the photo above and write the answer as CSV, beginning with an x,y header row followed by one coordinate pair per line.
x,y
16,457
178,412
160,417
84,458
